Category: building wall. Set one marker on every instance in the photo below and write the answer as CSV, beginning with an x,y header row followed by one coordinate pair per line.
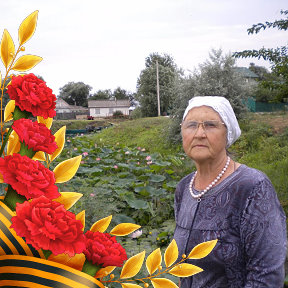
x,y
106,112
63,110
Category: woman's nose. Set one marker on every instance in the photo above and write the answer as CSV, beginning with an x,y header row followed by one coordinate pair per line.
x,y
200,131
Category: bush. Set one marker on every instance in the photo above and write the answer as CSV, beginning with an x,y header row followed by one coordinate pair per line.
x,y
252,137
136,113
117,114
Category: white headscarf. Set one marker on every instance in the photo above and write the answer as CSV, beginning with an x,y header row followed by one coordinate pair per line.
x,y
223,107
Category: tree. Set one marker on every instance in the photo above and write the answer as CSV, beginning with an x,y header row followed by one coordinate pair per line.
x,y
261,71
75,93
102,95
216,76
278,57
147,84
120,94
262,92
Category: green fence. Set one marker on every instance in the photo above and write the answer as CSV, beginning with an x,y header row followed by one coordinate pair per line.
x,y
255,106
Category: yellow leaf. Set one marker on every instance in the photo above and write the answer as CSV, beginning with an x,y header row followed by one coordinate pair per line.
x,y
7,48
26,62
60,141
47,122
75,262
99,284
40,156
101,225
13,145
132,265
9,108
1,178
68,199
129,285
153,261
103,272
27,27
171,253
81,216
124,229
65,170
162,282
185,270
202,249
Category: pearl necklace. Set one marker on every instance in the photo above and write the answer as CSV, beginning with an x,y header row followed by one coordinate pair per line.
x,y
198,196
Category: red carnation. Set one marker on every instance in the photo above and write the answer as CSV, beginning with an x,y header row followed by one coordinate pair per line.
x,y
47,225
35,135
28,177
31,94
103,249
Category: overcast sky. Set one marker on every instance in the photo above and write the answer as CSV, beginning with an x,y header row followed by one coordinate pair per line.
x,y
104,43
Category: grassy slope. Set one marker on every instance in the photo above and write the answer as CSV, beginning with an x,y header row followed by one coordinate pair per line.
x,y
148,133
151,132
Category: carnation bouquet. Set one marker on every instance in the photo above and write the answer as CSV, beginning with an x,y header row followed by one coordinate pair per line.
x,y
42,243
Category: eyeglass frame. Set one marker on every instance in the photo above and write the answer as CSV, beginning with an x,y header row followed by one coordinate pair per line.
x,y
203,125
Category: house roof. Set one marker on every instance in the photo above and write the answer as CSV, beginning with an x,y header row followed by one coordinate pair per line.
x,y
245,72
108,103
61,104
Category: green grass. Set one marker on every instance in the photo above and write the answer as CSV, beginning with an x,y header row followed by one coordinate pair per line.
x,y
148,133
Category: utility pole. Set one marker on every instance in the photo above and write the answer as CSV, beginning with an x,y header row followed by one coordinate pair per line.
x,y
158,89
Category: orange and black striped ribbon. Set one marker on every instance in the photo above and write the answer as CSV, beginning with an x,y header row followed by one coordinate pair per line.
x,y
10,242
23,266
32,272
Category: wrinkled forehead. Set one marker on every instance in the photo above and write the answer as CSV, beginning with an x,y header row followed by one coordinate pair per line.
x,y
202,113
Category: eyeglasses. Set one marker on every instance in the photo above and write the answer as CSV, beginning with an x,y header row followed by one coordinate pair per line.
x,y
208,126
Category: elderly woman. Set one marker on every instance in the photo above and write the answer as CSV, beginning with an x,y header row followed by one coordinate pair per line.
x,y
227,201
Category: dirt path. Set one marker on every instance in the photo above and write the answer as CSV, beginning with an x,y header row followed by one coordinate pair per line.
x,y
278,121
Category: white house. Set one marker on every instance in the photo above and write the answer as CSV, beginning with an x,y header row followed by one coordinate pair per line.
x,y
106,108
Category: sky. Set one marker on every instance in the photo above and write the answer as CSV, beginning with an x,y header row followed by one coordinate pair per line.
x,y
105,43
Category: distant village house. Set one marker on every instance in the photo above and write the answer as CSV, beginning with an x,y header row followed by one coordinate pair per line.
x,y
249,76
106,108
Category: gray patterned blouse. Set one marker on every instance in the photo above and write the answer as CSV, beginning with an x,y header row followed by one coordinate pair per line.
x,y
244,214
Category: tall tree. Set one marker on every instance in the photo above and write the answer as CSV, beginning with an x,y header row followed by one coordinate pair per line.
x,y
278,57
147,84
75,93
120,94
102,95
216,76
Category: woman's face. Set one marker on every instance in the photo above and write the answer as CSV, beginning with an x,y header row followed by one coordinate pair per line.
x,y
204,144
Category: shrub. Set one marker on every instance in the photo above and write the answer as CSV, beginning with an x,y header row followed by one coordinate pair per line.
x,y
136,113
117,114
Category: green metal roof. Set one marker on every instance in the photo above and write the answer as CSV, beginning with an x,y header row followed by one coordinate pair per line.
x,y
245,72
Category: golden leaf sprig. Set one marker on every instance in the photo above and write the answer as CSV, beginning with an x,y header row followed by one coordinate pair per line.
x,y
154,266
9,54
